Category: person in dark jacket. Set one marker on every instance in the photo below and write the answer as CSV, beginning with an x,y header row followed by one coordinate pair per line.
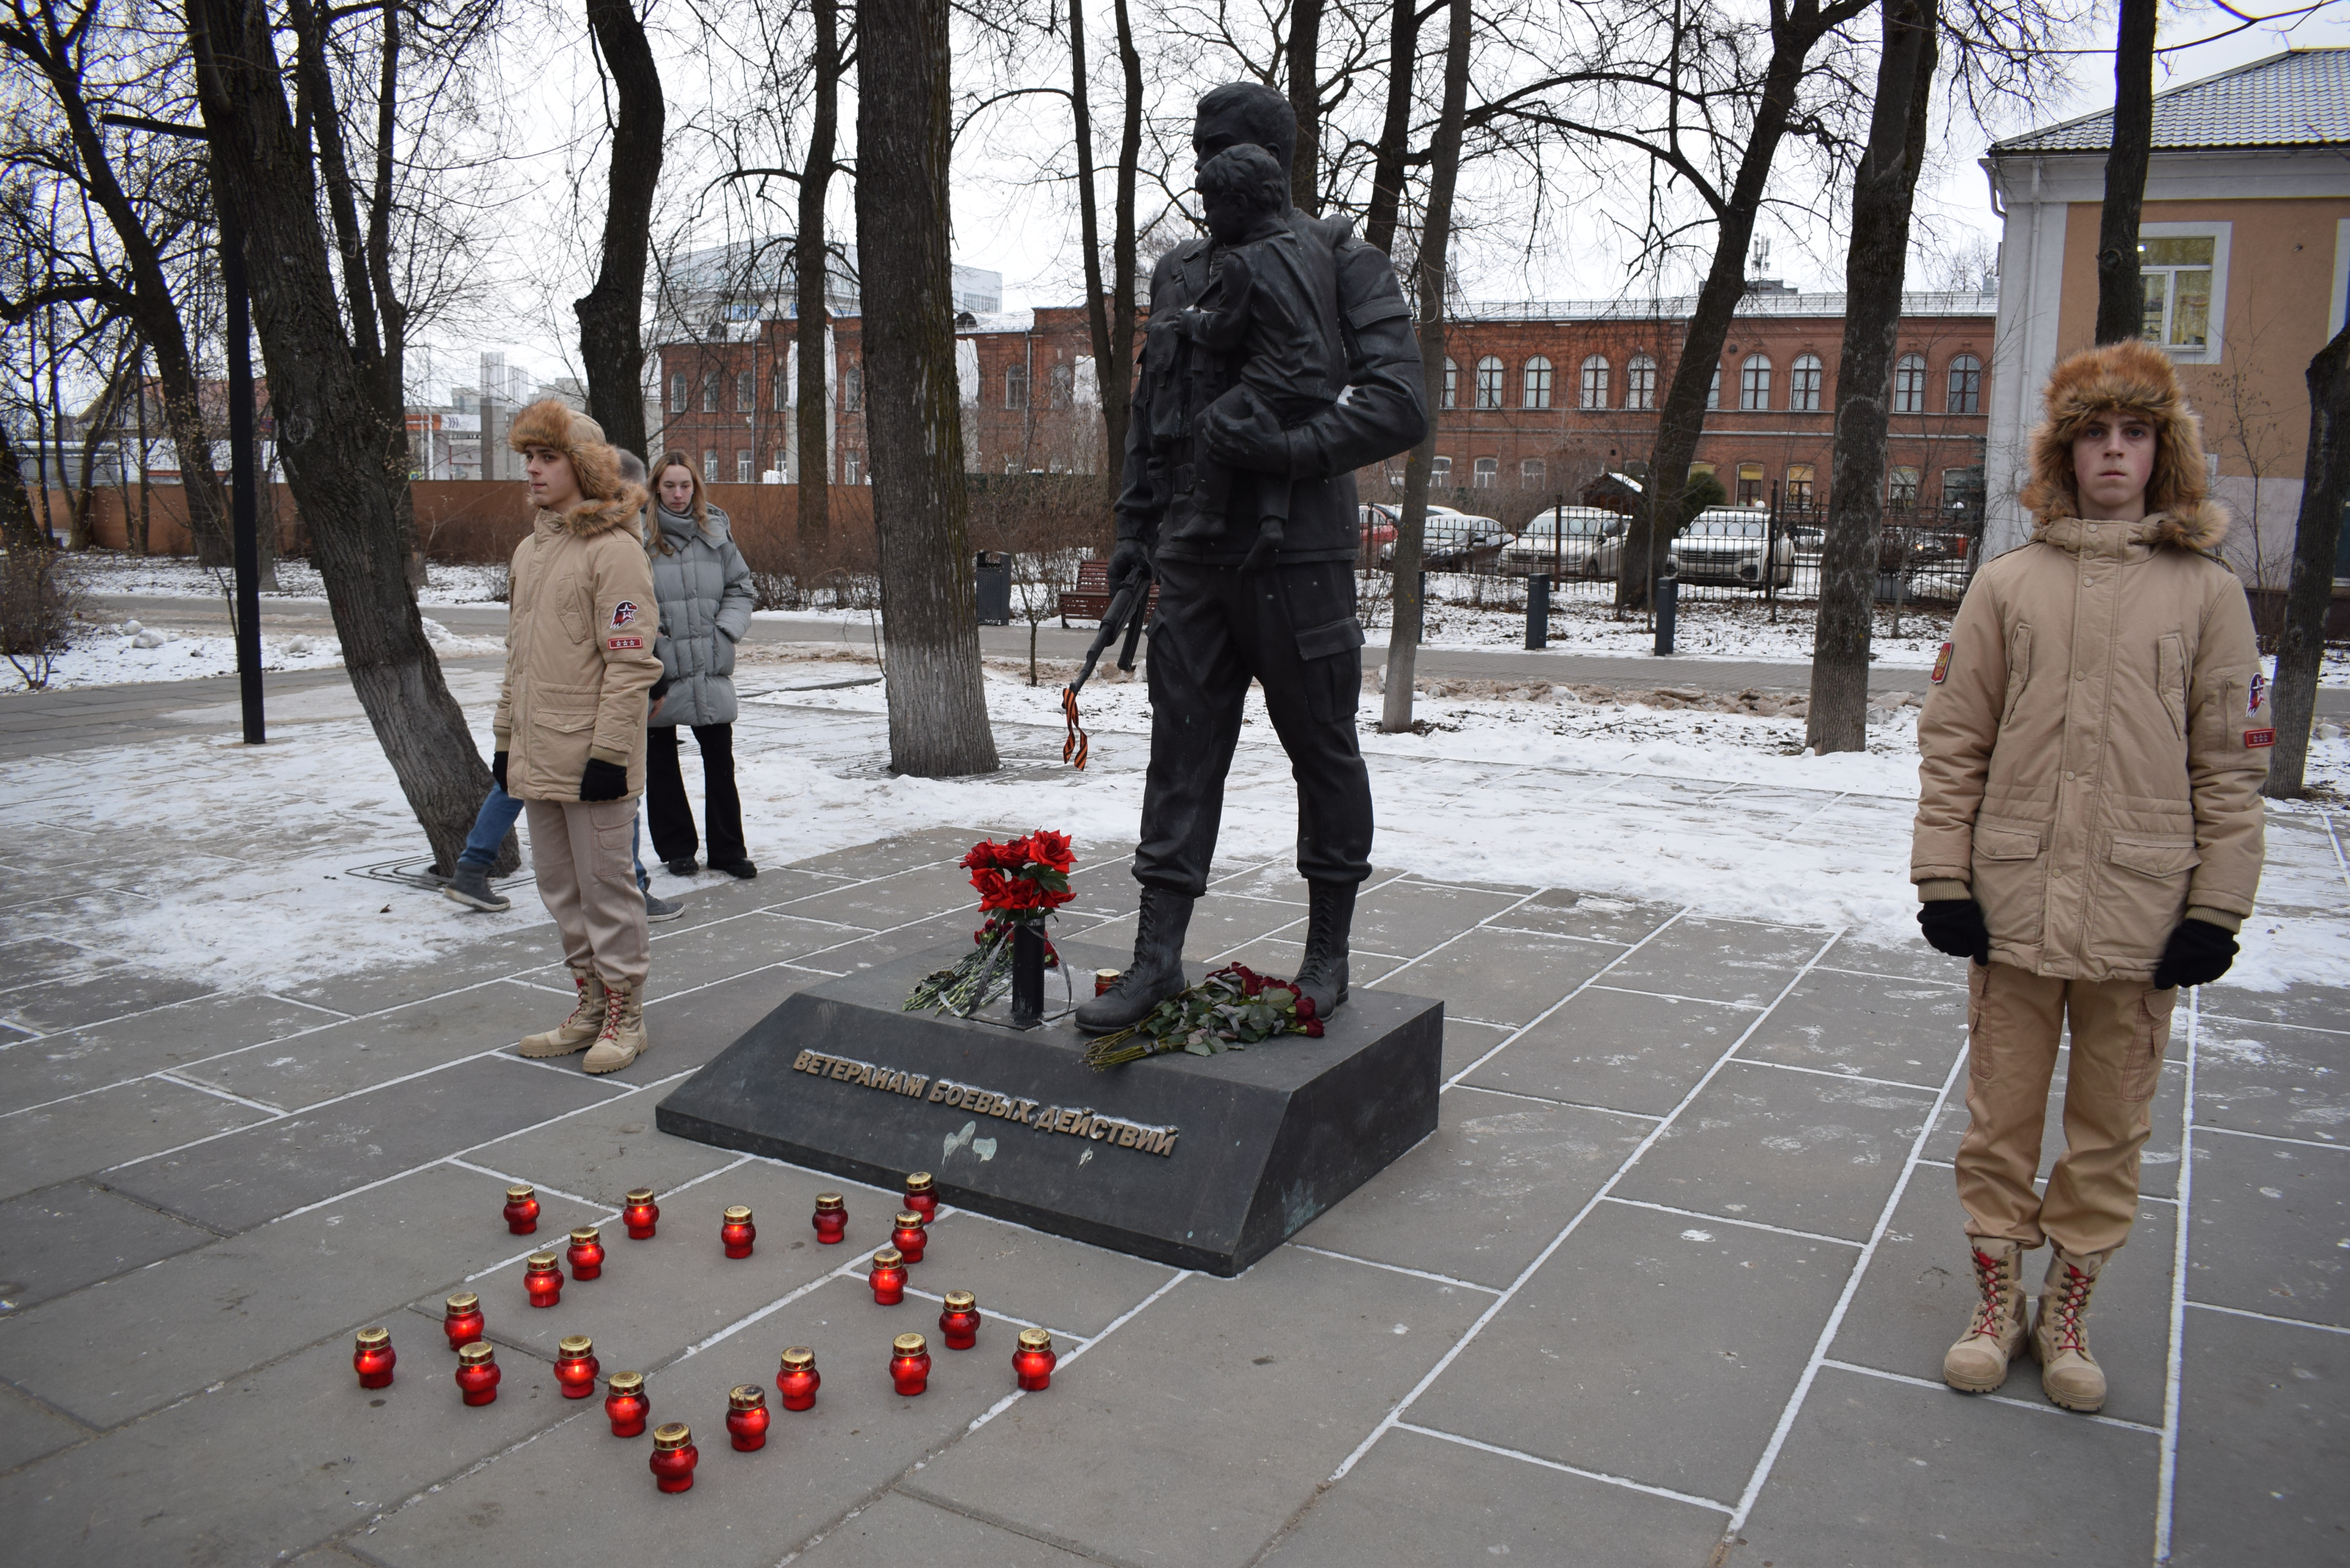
x,y
1289,625
703,587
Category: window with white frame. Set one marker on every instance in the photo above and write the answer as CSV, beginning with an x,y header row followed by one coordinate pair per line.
x,y
710,466
852,390
1749,485
852,466
1531,472
1797,487
1909,385
1640,382
746,391
1537,383
1965,392
710,393
1594,381
1714,390
2179,271
743,473
1803,384
677,393
1440,471
1489,382
1451,384
1016,385
1754,381
1488,469
1901,488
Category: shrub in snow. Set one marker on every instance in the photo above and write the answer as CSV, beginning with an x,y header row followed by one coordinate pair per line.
x,y
36,614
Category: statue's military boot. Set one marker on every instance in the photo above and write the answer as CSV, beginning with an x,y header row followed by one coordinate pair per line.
x,y
1157,971
622,1038
1322,974
1977,1363
578,1030
2069,1374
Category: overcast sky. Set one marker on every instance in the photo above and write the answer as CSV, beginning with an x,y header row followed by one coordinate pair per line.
x,y
1008,223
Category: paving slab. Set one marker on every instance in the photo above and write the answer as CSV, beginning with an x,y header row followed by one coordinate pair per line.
x,y
344,1058
890,901
64,1237
1500,977
1467,1042
309,1453
1902,960
124,1347
1718,960
2310,1006
1841,1022
110,992
1248,1392
1920,1289
39,959
1481,1195
55,1066
29,1429
2157,1162
1420,1500
1576,1367
507,944
1410,916
888,857
686,1029
2263,1444
603,1152
92,1132
1876,1472
864,952
2265,1078
900,1530
580,1495
1587,916
1784,1149
1626,1050
242,1180
1063,1285
2271,1229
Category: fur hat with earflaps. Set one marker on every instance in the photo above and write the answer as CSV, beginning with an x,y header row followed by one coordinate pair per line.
x,y
552,425
2132,376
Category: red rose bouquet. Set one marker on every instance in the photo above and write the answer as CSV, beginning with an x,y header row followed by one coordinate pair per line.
x,y
1231,1009
1020,883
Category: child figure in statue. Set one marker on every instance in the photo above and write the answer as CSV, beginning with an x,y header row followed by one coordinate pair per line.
x,y
1263,336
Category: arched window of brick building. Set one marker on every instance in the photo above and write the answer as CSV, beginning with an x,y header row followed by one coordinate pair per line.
x,y
1749,485
710,393
1755,382
1451,384
1901,487
1531,472
1016,385
1798,490
1804,385
1058,381
1537,392
677,393
852,390
1966,385
1909,387
746,391
1489,382
1640,382
1594,381
1488,469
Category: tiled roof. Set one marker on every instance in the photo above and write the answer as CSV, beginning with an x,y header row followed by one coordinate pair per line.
x,y
2298,99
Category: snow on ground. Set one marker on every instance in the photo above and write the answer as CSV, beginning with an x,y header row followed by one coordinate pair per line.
x,y
114,653
247,879
179,576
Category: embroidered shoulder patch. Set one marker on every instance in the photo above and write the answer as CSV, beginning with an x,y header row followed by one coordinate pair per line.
x,y
2260,689
625,613
1942,665
2259,738
619,642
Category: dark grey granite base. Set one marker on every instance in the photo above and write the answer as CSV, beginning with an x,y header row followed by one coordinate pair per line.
x,y
1204,1163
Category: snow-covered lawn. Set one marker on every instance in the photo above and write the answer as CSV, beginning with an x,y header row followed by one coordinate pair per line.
x,y
245,876
113,653
179,576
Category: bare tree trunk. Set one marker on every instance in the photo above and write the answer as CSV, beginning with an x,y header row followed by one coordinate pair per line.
x,y
104,413
136,533
2317,539
1304,52
2121,292
1395,128
937,710
1794,29
1110,320
1403,635
1879,250
612,313
811,268
328,424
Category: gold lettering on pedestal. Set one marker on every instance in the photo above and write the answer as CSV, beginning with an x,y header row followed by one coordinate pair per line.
x,y
1073,1121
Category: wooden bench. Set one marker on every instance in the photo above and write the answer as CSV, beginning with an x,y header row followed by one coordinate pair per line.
x,y
1089,600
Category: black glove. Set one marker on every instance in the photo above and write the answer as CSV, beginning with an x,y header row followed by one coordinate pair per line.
x,y
1955,926
1255,441
498,770
2199,952
603,781
1129,561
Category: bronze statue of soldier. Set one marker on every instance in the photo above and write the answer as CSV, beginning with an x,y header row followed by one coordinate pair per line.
x,y
1211,475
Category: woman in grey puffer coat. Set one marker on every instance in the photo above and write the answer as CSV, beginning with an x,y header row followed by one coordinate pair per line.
x,y
704,588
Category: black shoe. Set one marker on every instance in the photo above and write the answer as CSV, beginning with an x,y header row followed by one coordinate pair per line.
x,y
1157,971
684,867
471,885
742,869
1322,973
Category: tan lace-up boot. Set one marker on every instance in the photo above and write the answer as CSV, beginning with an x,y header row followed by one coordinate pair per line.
x,y
622,1038
1977,1363
2069,1374
577,1032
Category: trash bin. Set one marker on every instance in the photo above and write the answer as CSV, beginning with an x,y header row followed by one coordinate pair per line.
x,y
1667,592
1538,610
994,588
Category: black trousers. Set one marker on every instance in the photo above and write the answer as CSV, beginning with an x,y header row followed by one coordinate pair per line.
x,y
665,811
1293,630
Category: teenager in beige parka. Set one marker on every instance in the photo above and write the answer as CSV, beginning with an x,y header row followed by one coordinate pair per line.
x,y
570,723
2088,832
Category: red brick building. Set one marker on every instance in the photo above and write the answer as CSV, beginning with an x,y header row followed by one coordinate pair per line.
x,y
1538,400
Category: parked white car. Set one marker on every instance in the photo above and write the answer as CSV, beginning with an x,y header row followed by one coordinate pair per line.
x,y
1726,544
1450,541
1567,542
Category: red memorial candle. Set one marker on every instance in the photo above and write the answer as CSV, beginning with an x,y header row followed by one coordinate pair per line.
x,y
543,1279
1033,1362
746,1417
463,1323
640,1215
674,1457
831,1218
922,1196
737,1231
522,1208
798,1379
477,1373
372,1358
909,1363
959,1322
586,1252
888,1277
911,1236
576,1365
626,1404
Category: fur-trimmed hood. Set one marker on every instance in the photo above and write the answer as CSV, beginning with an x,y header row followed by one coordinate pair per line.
x,y
2199,528
2136,377
553,425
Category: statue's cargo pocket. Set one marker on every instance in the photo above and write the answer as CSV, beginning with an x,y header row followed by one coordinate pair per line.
x,y
1331,654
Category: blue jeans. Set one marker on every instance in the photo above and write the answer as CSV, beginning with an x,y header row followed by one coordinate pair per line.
x,y
496,819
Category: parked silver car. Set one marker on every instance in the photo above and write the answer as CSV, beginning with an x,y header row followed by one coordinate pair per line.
x,y
1726,544
1567,542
